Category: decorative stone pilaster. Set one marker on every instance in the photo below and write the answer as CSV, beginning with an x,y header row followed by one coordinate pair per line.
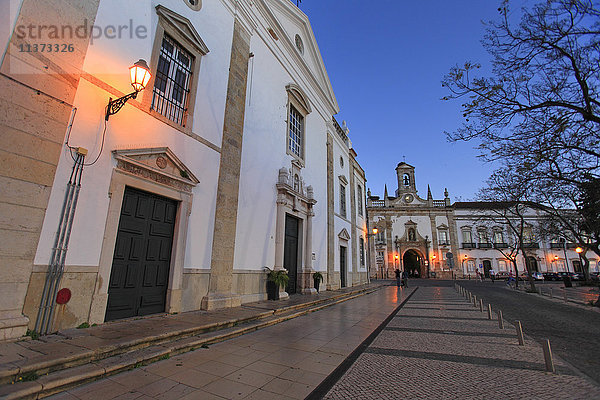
x,y
220,292
297,199
306,281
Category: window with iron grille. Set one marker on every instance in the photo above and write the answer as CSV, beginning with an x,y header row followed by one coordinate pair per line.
x,y
296,132
172,82
343,201
360,201
362,251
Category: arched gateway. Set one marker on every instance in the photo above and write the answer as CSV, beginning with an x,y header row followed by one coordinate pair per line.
x,y
412,262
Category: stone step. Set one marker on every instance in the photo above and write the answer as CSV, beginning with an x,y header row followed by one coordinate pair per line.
x,y
42,379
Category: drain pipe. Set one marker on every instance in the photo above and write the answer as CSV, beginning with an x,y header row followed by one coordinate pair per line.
x,y
53,276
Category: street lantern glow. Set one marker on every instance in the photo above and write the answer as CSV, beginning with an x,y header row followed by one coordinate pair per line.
x,y
466,256
555,257
375,231
579,250
396,256
140,75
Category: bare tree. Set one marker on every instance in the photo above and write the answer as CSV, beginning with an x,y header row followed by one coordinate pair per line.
x,y
508,197
539,112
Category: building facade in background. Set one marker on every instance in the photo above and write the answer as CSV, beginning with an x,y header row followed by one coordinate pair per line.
x,y
439,239
228,163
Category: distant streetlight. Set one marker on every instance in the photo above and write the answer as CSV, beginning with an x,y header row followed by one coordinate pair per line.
x,y
579,250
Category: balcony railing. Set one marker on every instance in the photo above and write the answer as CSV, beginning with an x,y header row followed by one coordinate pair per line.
x,y
484,245
500,245
557,245
377,203
467,245
439,203
444,243
531,245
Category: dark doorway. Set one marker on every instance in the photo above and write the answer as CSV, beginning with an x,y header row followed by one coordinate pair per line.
x,y
342,266
412,264
290,251
532,264
487,265
577,266
140,270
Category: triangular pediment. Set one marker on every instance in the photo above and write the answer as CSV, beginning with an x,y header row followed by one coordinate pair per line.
x,y
160,160
344,235
183,26
287,21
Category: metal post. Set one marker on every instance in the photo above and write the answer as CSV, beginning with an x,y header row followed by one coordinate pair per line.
x,y
551,296
500,320
474,301
481,305
489,311
548,357
520,333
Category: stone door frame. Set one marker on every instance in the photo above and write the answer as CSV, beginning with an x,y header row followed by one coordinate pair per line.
x,y
139,175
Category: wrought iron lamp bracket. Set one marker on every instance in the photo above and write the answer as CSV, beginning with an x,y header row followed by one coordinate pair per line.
x,y
115,105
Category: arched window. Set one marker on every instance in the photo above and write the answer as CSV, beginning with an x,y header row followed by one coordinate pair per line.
x,y
406,180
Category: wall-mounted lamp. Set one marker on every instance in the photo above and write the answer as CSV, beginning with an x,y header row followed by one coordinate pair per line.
x,y
140,75
579,250
375,231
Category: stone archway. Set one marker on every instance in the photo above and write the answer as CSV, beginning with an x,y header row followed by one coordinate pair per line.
x,y
412,262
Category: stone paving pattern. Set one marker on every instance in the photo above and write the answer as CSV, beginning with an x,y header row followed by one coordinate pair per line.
x,y
572,328
284,361
439,346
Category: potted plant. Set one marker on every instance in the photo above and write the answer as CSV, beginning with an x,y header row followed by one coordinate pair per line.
x,y
317,278
275,280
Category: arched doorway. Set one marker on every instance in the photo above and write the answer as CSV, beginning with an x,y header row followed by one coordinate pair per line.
x,y
487,265
412,262
532,264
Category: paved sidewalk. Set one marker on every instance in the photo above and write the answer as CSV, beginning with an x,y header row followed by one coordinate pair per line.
x,y
284,361
439,346
139,340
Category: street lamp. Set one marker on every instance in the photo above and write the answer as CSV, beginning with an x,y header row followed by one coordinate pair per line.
x,y
463,264
579,250
140,75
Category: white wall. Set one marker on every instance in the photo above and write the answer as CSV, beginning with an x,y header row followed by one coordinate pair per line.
x,y
133,128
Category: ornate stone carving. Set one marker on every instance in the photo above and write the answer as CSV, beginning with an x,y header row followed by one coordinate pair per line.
x,y
158,164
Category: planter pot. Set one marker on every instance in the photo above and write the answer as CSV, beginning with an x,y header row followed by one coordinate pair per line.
x,y
317,283
272,291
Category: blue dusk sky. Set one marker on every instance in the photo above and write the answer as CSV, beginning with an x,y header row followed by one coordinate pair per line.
x,y
386,60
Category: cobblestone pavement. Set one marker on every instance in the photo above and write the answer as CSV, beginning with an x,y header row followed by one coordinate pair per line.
x,y
283,361
439,346
578,294
573,329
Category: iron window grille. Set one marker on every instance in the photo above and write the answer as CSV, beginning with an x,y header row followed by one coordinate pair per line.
x,y
362,251
343,201
172,82
295,134
360,201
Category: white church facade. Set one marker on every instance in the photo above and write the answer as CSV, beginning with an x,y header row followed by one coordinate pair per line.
x,y
229,163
